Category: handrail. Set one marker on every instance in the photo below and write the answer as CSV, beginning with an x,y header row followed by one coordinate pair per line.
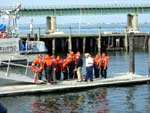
x,y
14,64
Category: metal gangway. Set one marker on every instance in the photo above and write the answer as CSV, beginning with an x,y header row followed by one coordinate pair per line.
x,y
16,72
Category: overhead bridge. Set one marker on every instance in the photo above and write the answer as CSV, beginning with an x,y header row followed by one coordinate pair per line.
x,y
82,9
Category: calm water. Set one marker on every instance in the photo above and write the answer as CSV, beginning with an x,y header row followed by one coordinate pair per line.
x,y
130,99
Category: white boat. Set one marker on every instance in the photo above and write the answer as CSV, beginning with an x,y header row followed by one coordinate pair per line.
x,y
17,49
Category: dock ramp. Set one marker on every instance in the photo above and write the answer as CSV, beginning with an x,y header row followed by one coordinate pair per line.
x,y
16,72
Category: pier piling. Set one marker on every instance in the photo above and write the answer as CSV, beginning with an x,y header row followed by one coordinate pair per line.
x,y
131,52
126,40
149,55
99,41
84,44
53,46
69,40
39,33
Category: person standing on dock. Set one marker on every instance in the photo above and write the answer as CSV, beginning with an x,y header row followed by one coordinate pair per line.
x,y
65,70
89,67
49,68
104,65
97,63
71,64
37,68
79,64
58,67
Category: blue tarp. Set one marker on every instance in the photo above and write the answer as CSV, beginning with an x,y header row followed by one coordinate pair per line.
x,y
2,27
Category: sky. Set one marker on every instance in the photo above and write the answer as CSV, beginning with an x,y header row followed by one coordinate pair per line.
x,y
115,18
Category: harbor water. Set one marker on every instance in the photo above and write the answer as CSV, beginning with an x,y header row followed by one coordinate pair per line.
x,y
127,99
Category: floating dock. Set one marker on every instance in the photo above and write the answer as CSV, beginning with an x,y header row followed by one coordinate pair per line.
x,y
72,85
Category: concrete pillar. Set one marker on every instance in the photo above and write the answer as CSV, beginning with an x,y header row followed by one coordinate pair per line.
x,y
84,44
129,21
132,22
53,46
48,24
53,24
149,56
99,41
69,40
131,52
135,23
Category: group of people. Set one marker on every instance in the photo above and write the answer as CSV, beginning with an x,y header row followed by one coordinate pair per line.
x,y
70,67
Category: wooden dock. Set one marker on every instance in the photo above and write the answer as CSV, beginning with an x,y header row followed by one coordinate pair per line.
x,y
72,85
89,42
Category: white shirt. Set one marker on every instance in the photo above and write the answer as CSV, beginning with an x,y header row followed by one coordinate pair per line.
x,y
89,62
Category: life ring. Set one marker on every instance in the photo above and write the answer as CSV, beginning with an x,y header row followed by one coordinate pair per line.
x,y
34,63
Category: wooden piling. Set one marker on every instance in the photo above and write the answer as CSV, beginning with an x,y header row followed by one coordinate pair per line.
x,y
63,45
91,44
35,36
84,44
109,40
131,52
149,56
77,44
99,41
69,40
126,40
39,33
112,42
145,41
53,46
28,36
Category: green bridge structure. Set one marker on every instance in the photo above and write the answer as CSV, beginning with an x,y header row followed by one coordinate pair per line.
x,y
51,12
84,9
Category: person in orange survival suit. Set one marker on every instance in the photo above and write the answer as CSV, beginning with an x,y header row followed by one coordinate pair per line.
x,y
71,64
58,67
38,63
104,65
65,69
96,66
49,68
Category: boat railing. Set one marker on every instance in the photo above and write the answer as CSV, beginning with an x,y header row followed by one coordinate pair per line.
x,y
9,63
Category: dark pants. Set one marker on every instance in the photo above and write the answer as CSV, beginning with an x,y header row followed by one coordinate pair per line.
x,y
103,72
49,72
65,73
89,73
96,71
58,73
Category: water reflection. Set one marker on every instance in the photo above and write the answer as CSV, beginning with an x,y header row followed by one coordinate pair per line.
x,y
130,96
101,100
87,102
